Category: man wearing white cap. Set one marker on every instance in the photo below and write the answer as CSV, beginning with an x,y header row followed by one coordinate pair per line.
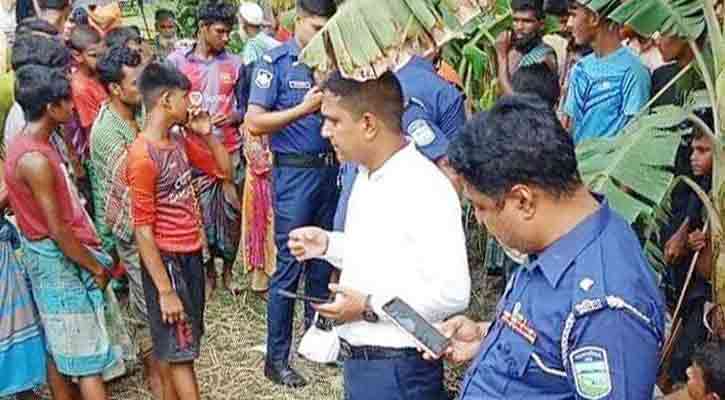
x,y
251,21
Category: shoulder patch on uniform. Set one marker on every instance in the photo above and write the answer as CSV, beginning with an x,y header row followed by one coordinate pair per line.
x,y
590,368
263,80
421,132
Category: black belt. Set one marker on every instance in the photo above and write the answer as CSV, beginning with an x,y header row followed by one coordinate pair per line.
x,y
349,352
302,160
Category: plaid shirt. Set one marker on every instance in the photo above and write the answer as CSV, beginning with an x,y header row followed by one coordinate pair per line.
x,y
111,137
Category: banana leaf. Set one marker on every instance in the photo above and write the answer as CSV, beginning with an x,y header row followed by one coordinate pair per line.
x,y
635,169
682,18
365,38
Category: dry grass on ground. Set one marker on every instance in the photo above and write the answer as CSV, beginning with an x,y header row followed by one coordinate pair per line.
x,y
231,368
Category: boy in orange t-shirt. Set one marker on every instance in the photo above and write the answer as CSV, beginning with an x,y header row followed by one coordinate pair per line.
x,y
167,220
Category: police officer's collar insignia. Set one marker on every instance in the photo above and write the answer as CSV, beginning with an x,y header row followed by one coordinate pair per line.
x,y
586,284
421,132
300,85
590,368
263,80
517,323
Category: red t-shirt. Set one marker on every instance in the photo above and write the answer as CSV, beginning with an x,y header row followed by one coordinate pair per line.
x,y
162,195
88,96
29,215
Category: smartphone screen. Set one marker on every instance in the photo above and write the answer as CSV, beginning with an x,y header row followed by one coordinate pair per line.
x,y
409,320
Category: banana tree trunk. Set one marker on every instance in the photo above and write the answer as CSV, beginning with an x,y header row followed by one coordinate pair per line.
x,y
718,196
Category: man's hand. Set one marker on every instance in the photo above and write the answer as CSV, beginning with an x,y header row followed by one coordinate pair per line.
x,y
503,43
220,120
676,247
348,306
230,192
172,310
199,121
697,240
308,242
465,337
101,279
312,101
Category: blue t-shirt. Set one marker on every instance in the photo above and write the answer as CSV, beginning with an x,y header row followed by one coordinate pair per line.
x,y
605,93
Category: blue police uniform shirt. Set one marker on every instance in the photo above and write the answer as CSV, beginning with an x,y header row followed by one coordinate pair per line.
x,y
444,103
583,320
419,127
605,93
280,82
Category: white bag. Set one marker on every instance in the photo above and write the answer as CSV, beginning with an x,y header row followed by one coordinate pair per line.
x,y
318,345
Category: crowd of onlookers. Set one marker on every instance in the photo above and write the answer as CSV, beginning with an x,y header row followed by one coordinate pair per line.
x,y
131,164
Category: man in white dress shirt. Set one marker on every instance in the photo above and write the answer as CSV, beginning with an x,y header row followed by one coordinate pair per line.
x,y
403,237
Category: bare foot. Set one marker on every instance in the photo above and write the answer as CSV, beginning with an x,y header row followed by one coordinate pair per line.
x,y
210,285
229,283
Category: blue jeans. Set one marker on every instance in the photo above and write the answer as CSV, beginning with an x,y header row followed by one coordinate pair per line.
x,y
302,197
410,378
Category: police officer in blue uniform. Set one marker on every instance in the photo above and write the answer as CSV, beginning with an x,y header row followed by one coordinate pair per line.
x,y
434,115
442,101
583,318
284,103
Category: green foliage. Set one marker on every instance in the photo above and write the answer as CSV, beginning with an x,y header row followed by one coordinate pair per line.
x,y
634,170
682,18
367,37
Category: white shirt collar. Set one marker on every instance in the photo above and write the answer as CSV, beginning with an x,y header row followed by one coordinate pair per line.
x,y
391,164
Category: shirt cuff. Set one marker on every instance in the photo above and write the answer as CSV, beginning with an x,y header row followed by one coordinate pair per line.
x,y
335,249
377,302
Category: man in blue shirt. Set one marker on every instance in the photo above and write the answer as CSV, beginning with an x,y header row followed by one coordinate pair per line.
x,y
284,103
583,318
608,87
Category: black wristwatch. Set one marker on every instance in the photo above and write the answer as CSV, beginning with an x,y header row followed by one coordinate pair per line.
x,y
368,314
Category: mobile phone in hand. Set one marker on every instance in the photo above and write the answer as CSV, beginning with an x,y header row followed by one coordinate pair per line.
x,y
412,323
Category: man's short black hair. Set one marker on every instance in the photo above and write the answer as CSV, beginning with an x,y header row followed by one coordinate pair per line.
x,y
519,141
158,78
37,86
53,4
559,8
537,6
84,36
217,12
122,35
711,358
110,65
382,97
163,14
39,50
537,79
318,8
